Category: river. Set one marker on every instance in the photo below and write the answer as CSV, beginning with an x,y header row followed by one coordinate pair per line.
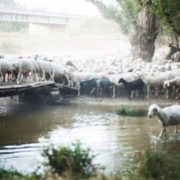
x,y
26,129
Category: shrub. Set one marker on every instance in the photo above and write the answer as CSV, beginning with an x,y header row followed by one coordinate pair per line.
x,y
70,161
13,174
158,166
121,110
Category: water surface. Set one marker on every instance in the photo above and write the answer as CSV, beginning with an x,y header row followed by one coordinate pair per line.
x,y
26,129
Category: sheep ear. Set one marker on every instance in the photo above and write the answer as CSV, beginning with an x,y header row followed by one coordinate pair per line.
x,y
155,110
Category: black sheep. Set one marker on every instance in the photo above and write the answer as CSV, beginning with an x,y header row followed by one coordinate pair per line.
x,y
133,85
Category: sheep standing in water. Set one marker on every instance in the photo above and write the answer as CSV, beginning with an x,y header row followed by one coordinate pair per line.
x,y
168,116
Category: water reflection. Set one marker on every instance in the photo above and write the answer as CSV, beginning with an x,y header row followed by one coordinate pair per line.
x,y
26,129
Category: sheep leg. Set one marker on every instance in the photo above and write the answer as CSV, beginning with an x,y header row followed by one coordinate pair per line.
x,y
156,91
98,90
173,91
148,92
101,91
18,78
52,75
4,77
78,87
141,94
43,75
68,80
114,92
167,93
175,131
132,94
163,131
129,95
92,91
1,76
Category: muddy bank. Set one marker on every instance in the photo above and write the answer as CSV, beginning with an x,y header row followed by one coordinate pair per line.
x,y
121,101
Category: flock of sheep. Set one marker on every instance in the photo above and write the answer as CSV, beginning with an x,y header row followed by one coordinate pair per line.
x,y
30,69
99,77
105,77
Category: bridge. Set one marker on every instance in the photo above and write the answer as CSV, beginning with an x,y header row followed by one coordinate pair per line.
x,y
38,92
14,14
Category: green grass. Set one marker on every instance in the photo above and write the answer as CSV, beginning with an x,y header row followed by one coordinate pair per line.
x,y
121,110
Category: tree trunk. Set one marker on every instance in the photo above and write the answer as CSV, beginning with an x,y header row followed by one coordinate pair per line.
x,y
174,45
174,39
145,35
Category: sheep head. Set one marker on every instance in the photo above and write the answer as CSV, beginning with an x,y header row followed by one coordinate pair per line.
x,y
153,110
120,80
166,84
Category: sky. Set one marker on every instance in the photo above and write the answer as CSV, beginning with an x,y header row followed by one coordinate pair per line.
x,y
81,7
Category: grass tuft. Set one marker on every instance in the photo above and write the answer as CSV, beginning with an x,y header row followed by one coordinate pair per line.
x,y
121,110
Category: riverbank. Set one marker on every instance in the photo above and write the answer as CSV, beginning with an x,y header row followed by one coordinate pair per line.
x,y
67,163
105,101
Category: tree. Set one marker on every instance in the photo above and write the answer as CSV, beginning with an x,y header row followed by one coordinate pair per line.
x,y
7,2
124,13
146,31
168,14
138,21
11,26
143,20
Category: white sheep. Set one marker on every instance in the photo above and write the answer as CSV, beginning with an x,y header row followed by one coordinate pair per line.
x,y
5,69
47,70
168,116
114,79
24,67
175,81
156,80
60,73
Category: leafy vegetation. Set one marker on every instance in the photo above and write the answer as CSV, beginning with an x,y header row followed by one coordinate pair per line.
x,y
142,19
167,13
121,110
71,160
13,174
12,26
124,13
75,162
7,2
158,166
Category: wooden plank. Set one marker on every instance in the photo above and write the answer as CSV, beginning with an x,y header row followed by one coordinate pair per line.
x,y
64,89
34,84
16,89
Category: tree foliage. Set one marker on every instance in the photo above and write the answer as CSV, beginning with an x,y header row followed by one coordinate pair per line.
x,y
125,13
168,13
7,2
12,26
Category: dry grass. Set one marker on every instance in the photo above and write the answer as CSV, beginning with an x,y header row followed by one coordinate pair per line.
x,y
80,38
